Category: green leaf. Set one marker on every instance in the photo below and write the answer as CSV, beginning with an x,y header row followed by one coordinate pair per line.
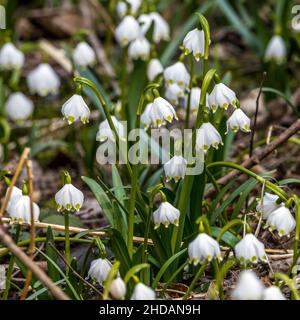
x,y
228,238
118,185
50,252
51,144
288,181
36,294
135,269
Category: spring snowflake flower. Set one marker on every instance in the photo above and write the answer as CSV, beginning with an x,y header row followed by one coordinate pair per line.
x,y
268,204
143,292
11,58
221,96
76,109
18,106
146,116
161,29
273,293
43,80
84,55
207,136
177,73
166,214
203,248
194,42
105,132
127,31
175,168
248,287
282,220
250,249
173,93
195,99
139,49
69,198
20,210
154,69
238,120
118,288
276,50
99,270
122,7
15,195
159,112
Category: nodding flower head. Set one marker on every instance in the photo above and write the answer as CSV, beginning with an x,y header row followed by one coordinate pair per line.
x,y
105,132
75,109
84,55
194,42
127,31
143,292
131,7
268,204
281,220
207,136
273,293
139,49
175,168
118,288
178,74
238,121
18,106
99,270
195,99
166,214
154,69
173,93
11,58
276,50
221,96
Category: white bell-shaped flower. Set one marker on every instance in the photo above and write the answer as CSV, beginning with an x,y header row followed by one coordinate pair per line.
x,y
166,214
16,193
175,168
207,136
139,49
132,7
146,119
43,80
221,96
194,42
154,69
160,112
161,29
117,288
11,58
20,210
238,121
273,293
105,132
195,99
69,198
177,73
84,55
268,204
127,31
276,50
18,106
143,292
248,287
203,248
173,93
75,109
250,250
99,270
281,220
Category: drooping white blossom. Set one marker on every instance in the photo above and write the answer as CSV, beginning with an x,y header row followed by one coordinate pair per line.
x,y
146,119
177,73
132,7
248,287
175,168
238,121
16,194
139,49
69,198
173,93
194,42
143,292
20,210
84,55
154,69
268,204
221,96
11,58
127,31
75,109
99,270
276,50
117,288
195,99
281,220
273,293
203,248
250,250
43,80
105,132
207,136
18,106
166,214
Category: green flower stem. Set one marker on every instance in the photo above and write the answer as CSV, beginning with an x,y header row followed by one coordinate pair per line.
x,y
290,283
216,267
277,190
24,243
188,180
188,108
134,188
11,266
112,274
67,241
196,278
